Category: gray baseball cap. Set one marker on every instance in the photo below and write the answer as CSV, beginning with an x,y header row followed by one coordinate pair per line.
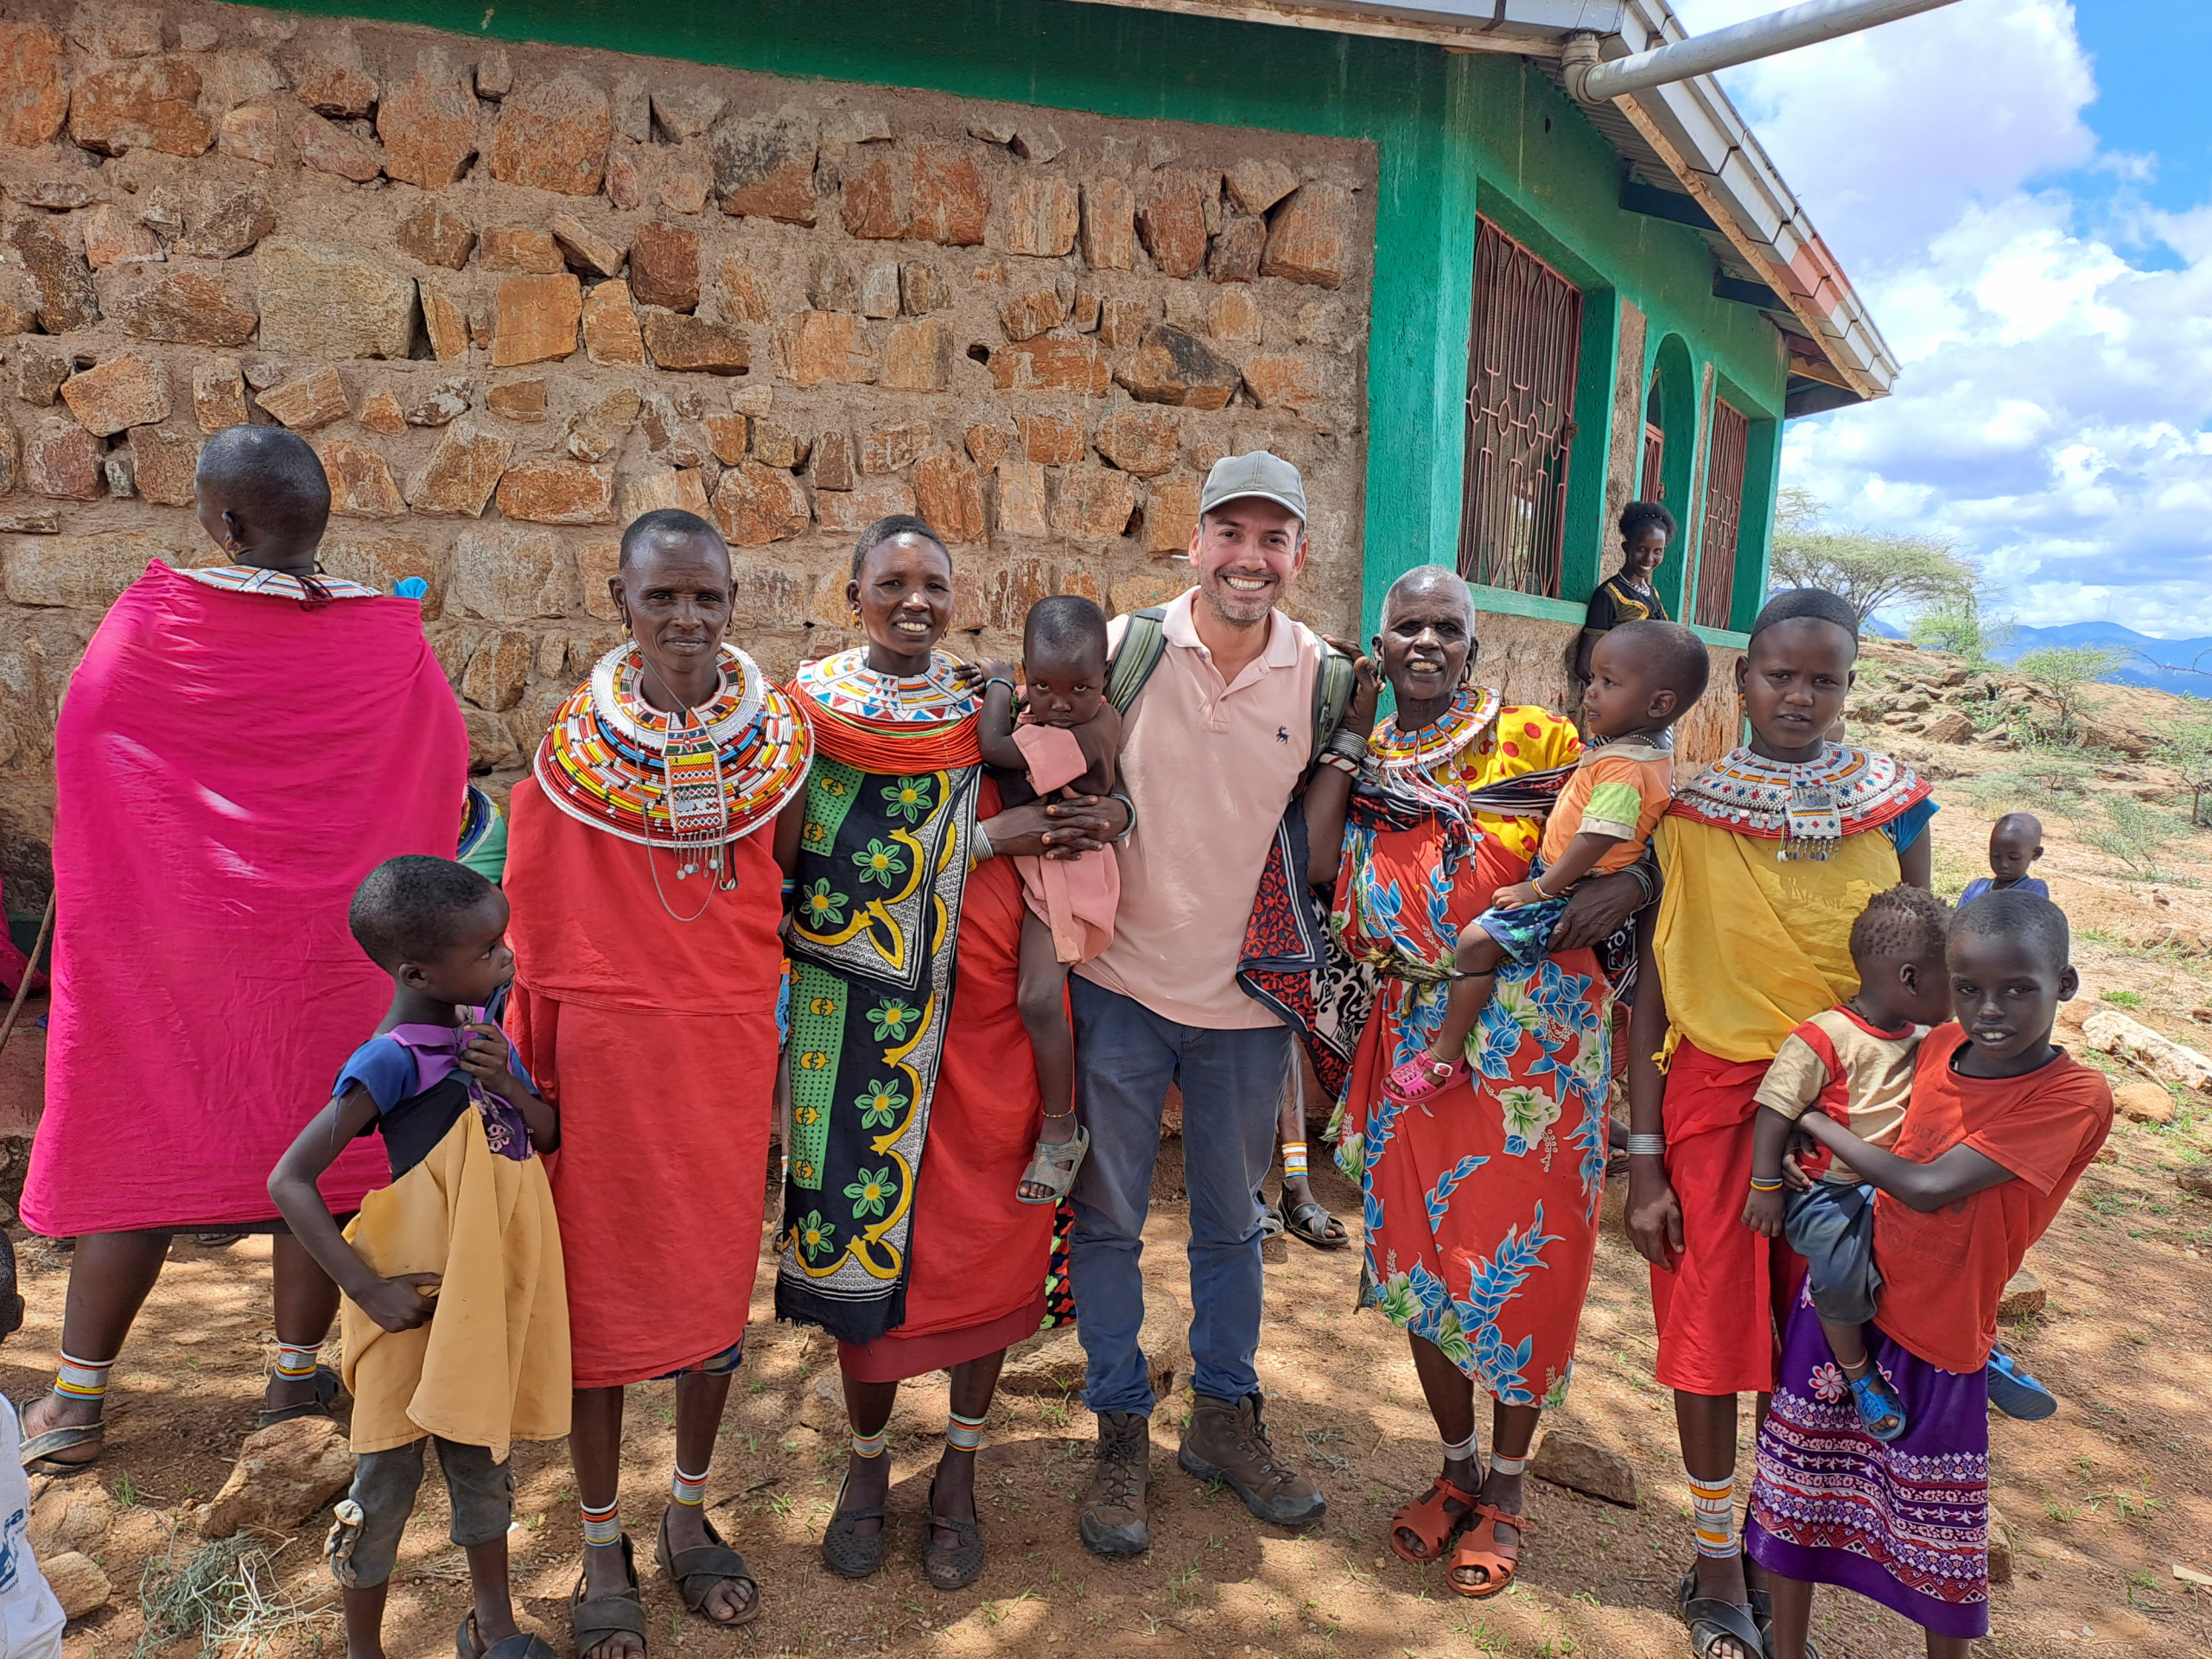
x,y
1269,477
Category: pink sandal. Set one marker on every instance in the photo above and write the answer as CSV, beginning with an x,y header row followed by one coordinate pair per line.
x,y
1418,1080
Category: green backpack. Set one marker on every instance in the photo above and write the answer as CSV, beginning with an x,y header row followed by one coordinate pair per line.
x,y
1145,641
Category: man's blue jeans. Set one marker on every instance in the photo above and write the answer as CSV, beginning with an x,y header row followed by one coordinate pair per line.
x,y
1232,1083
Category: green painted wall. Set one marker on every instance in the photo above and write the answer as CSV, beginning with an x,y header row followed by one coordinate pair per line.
x,y
1455,133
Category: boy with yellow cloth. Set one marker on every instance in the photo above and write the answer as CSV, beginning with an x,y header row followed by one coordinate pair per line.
x,y
455,1321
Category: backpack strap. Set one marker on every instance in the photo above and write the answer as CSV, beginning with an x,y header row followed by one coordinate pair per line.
x,y
1331,696
1143,643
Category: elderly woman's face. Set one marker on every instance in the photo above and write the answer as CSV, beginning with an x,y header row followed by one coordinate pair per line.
x,y
1427,640
904,595
675,594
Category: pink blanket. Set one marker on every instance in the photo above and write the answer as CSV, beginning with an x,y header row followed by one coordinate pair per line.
x,y
228,766
1075,897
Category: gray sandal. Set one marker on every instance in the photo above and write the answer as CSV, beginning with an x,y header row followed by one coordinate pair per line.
x,y
1054,1165
847,1554
958,1565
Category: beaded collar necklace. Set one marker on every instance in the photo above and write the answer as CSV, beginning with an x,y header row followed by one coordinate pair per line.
x,y
1472,709
845,684
1808,806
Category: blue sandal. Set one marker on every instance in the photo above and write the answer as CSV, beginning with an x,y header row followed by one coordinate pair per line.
x,y
1881,1413
2016,1394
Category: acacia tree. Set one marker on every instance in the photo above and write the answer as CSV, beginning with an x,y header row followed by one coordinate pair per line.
x,y
1869,569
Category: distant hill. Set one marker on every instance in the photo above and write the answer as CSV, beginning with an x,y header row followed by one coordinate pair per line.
x,y
2161,663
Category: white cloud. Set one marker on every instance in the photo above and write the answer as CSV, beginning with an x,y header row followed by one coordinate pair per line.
x,y
2051,415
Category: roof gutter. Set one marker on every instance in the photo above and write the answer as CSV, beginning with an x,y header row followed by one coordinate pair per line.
x,y
1594,82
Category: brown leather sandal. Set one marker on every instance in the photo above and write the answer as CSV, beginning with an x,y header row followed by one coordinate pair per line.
x,y
1482,1548
1430,1523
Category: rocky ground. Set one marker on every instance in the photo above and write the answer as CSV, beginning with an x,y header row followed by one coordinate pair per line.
x,y
2101,1506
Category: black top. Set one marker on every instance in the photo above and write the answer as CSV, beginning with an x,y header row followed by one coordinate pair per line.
x,y
1619,600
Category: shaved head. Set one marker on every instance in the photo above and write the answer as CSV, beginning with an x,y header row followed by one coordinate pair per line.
x,y
1428,579
267,478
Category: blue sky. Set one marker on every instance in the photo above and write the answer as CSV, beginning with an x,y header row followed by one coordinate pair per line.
x,y
2022,191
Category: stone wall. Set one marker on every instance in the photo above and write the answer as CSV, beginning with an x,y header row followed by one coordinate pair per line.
x,y
516,294
1526,659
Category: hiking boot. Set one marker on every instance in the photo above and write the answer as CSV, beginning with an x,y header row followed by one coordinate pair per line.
x,y
1227,1440
1112,1510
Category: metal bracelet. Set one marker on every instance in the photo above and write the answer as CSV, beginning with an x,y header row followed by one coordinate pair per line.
x,y
983,849
1647,1146
1117,795
1348,743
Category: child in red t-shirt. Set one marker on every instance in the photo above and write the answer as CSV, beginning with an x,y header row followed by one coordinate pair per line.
x,y
2001,1125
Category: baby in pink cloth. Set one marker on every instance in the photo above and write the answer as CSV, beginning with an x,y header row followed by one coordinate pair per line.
x,y
1066,739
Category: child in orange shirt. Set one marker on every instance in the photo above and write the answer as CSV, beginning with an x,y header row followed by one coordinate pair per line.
x,y
1643,678
2001,1125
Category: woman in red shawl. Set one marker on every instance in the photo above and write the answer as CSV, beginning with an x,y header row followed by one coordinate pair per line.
x,y
646,968
914,1101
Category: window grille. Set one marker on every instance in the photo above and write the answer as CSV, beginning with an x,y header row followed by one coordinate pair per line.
x,y
1522,357
1724,513
1653,484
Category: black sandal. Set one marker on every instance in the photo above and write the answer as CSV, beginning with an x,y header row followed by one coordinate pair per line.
x,y
847,1554
38,1452
1713,1621
958,1565
1311,1221
622,1613
699,1568
1763,1615
521,1645
325,1391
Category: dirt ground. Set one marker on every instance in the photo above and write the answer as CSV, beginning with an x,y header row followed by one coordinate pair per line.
x,y
2101,1502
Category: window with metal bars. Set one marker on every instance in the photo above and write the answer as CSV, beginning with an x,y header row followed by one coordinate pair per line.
x,y
1522,350
1724,514
1654,449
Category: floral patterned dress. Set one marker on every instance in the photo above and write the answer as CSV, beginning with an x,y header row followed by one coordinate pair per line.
x,y
1481,1208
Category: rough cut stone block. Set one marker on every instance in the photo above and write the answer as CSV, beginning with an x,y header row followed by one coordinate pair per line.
x,y
894,448
599,255
1042,217
1172,366
34,84
922,289
330,77
39,374
664,266
1096,502
112,237
951,202
1123,322
833,466
1284,380
516,248
756,505
499,670
507,575
218,221
62,461
917,356
323,146
18,302
626,178
685,192
67,299
558,492
685,343
1039,145
1234,314
535,319
428,125
186,308
1142,442
741,296
79,572
681,488
1108,225
777,446
815,346
326,303
123,392
436,235
461,473
1237,251
1171,223
1022,497
985,443
1025,316
1171,513
495,73
304,404
162,464
554,136
1057,365
610,324
217,394
1051,440
1257,183
361,485
1311,239
633,109
518,400
2022,1298
254,132
444,322
949,493
877,201
848,513
686,112
878,290
763,166
153,103
381,412
726,435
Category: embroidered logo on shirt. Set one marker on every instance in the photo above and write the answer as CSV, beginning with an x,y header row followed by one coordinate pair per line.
x,y
1282,734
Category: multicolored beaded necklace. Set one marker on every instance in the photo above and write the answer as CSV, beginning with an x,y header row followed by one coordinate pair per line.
x,y
1473,707
1808,806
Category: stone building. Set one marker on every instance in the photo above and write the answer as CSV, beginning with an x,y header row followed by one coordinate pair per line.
x,y
1027,267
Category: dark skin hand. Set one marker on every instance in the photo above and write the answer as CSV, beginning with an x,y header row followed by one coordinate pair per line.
x,y
903,596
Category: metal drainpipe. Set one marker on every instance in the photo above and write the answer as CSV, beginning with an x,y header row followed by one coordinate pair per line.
x,y
1596,82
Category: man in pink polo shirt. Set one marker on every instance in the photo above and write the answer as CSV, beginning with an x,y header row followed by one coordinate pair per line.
x,y
1213,747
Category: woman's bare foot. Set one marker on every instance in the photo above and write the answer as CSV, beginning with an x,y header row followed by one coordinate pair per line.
x,y
52,1411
